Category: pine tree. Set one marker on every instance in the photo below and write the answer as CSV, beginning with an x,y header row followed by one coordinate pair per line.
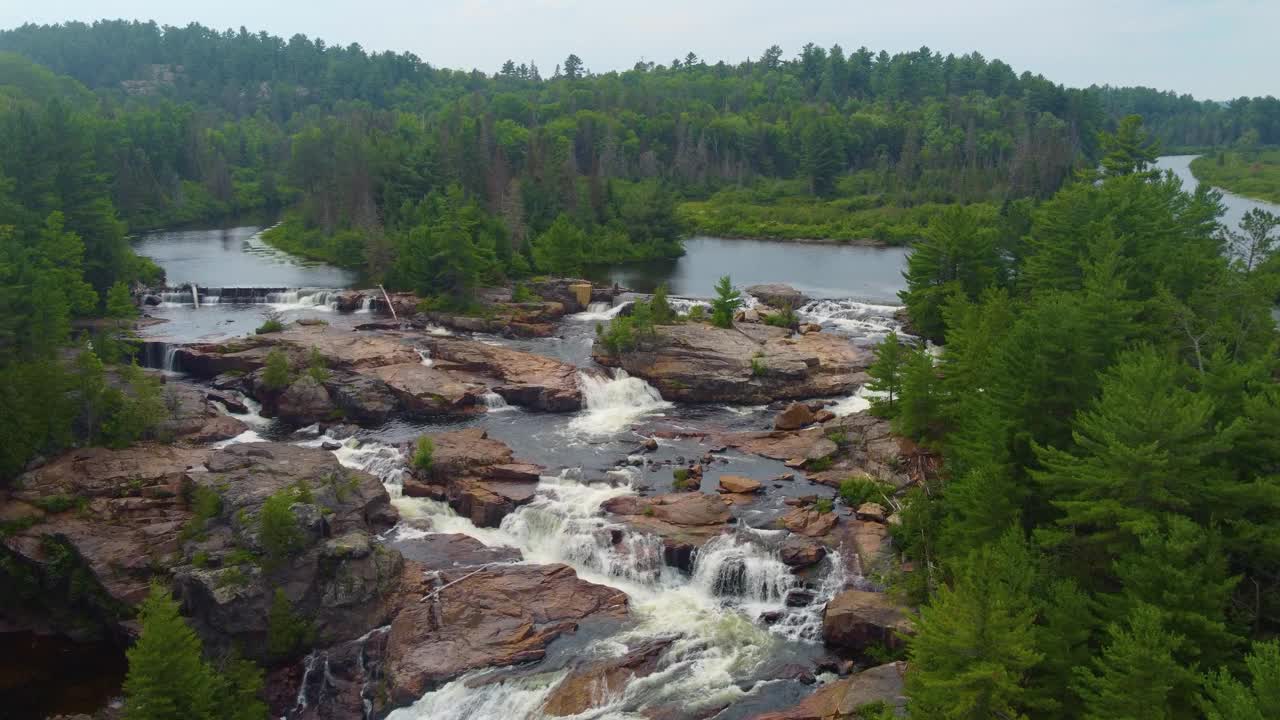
x,y
886,374
956,256
975,642
1136,677
120,303
1128,151
1143,450
561,249
167,678
1226,698
1181,570
726,303
919,409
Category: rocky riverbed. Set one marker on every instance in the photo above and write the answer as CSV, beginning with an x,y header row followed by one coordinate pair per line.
x,y
649,535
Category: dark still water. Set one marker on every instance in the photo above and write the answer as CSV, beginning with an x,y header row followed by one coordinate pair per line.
x,y
821,270
234,257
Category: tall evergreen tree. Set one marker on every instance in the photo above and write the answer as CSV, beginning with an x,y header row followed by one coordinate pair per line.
x,y
1136,677
167,677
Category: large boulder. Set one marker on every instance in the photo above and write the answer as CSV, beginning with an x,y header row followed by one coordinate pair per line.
x,y
193,417
362,399
335,576
684,521
855,620
778,295
304,402
427,390
591,685
801,445
809,522
696,362
800,552
461,620
739,484
796,416
844,698
477,476
533,381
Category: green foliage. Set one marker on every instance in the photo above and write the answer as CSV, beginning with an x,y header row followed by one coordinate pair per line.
x,y
288,633
725,304
119,302
279,534
424,454
1128,151
660,308
697,313
1226,698
168,678
277,374
784,318
682,479
1254,174
975,641
758,368
886,374
318,366
1136,676
958,255
520,293
824,505
270,325
561,250
855,491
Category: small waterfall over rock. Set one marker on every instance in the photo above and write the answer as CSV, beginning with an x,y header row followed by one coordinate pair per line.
x,y
729,567
866,322
613,403
598,312
159,355
493,402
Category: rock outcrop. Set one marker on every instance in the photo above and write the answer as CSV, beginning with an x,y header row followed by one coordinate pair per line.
x,y
796,416
477,475
855,620
587,687
778,295
696,362
533,381
684,521
841,700
460,620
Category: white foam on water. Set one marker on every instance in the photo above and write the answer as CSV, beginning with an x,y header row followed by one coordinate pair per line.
x,y
248,436
598,311
614,403
863,321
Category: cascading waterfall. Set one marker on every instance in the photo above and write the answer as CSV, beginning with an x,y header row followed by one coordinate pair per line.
x,y
711,614
424,355
493,402
866,322
613,403
598,311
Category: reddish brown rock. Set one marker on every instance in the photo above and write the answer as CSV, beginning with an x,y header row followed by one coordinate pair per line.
x,y
802,445
799,552
533,381
587,687
477,476
739,484
684,521
796,416
428,390
855,620
843,698
809,522
502,615
874,512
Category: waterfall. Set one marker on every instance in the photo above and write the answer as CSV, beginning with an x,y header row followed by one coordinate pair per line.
x,y
613,403
494,402
867,322
859,401
366,305
727,566
195,296
598,311
303,299
424,355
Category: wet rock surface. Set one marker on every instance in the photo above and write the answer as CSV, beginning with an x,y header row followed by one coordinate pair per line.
x,y
696,362
842,699
855,620
498,616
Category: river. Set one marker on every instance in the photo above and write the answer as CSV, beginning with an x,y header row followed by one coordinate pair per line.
x,y
724,655
1235,205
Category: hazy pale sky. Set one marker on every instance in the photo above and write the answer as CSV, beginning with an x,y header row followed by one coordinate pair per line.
x,y
1215,49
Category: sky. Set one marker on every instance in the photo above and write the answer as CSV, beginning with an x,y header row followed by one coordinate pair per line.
x,y
1214,49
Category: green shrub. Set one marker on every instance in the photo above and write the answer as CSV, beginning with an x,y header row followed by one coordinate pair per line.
x,y
819,465
271,325
317,366
424,455
697,313
205,505
824,505
726,303
757,366
620,337
522,294
855,491
662,312
54,504
785,318
288,632
685,480
277,375
278,530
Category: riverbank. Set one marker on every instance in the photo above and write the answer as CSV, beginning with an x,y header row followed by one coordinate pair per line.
x,y
856,220
1252,174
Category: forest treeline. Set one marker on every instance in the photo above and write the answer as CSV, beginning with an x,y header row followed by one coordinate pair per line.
x,y
362,148
1102,541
